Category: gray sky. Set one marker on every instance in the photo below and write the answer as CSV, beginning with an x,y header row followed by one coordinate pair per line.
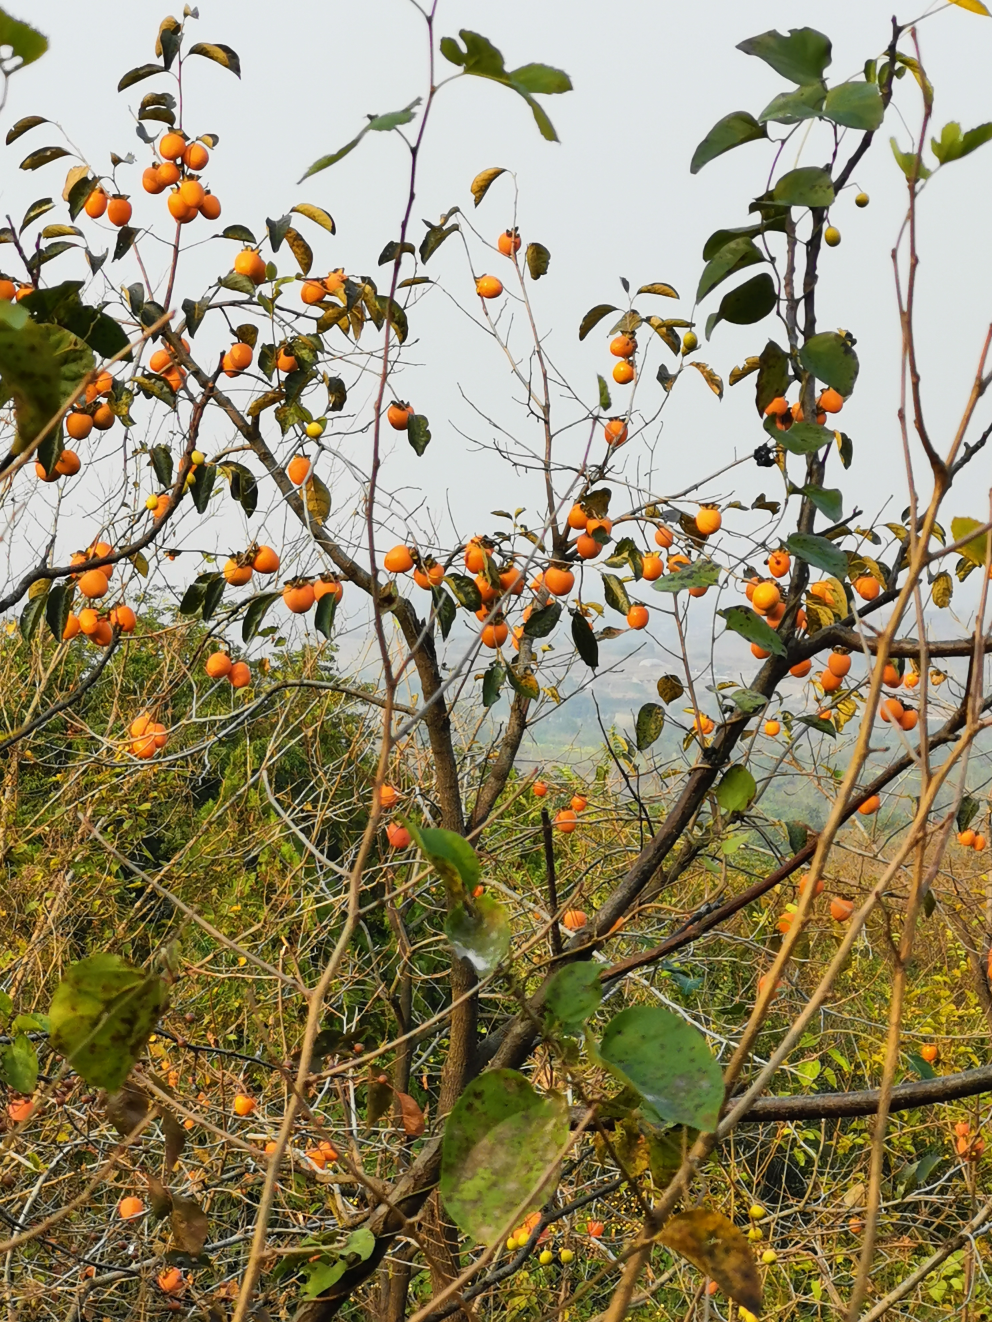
x,y
613,198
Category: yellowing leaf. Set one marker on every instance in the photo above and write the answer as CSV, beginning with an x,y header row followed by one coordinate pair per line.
x,y
316,214
942,590
318,499
481,182
300,249
714,382
716,1247
972,6
666,291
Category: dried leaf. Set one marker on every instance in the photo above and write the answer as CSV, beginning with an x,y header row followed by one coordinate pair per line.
x,y
710,377
482,181
717,1248
411,1115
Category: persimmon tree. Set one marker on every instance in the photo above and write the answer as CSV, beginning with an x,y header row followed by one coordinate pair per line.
x,y
454,907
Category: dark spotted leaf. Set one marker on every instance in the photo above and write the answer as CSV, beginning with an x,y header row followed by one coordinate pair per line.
x,y
750,625
482,181
649,725
713,1244
584,640
220,54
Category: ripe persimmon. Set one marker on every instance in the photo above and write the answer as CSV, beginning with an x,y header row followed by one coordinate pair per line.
x,y
241,355
129,1207
118,211
539,789
334,280
830,401
328,586
637,617
708,520
265,561
909,720
210,207
871,805
397,835
509,242
623,346
772,728
243,1104
565,821
980,843
285,362
171,1281
577,518
578,803
830,682
313,291
495,635
96,204
911,679
703,724
759,652
804,882
93,584
237,573
623,373
171,146
298,596
475,556
218,664
248,262
179,208
663,536
430,575
239,676
573,919
652,567
104,417
839,663
587,547
801,669
891,677
299,469
88,621
891,709
867,587
78,425
71,628
966,838
8,291
929,1052
195,157
840,910
123,618
558,580
388,797
512,580
487,286
779,563
766,596
398,415
615,431
169,173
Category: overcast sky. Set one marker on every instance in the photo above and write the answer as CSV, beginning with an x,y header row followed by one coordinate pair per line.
x,y
613,198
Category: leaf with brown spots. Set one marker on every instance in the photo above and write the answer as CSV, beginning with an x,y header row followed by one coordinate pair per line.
x,y
716,1247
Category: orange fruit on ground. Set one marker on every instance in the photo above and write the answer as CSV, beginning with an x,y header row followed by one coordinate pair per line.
x,y
565,820
766,596
487,286
299,469
285,362
118,211
830,682
779,563
388,797
248,262
129,1207
19,1111
298,597
637,617
398,561
171,146
397,835
323,586
218,664
870,806
398,415
239,676
615,431
594,1229
179,209
623,373
708,520
96,203
577,517
966,838
587,547
93,583
663,536
265,561
559,581
123,618
243,1104
508,242
196,156
495,635
104,418
840,910
839,663
830,401
313,291
574,919
241,355
867,587
623,346
801,669
929,1051
539,788
78,425
71,628
236,573
772,728
210,207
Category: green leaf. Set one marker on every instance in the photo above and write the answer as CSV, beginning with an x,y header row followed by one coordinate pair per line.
x,y
967,812
500,1140
750,625
700,574
23,126
793,107
593,317
574,993
830,357
102,1014
976,548
605,402
220,54
818,551
40,365
855,106
161,457
31,617
323,618
323,162
907,161
19,1065
138,75
256,612
818,723
809,186
649,725
584,640
773,375
670,688
668,1062
801,57
58,606
828,500
481,58
35,210
480,933
445,610
732,257
394,119
433,239
26,43
615,594
492,682
803,437
418,433
746,304
241,233
748,700
538,260
736,789
43,156
202,486
543,621
731,131
465,590
450,855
